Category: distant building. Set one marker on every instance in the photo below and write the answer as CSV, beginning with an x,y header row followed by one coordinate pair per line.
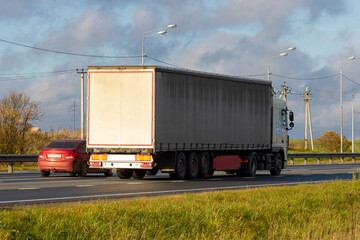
x,y
34,130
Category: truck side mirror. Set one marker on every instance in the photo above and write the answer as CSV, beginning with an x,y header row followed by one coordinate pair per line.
x,y
291,116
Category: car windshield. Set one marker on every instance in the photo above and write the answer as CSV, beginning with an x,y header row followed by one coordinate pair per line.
x,y
61,145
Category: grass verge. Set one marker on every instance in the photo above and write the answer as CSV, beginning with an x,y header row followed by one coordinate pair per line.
x,y
319,211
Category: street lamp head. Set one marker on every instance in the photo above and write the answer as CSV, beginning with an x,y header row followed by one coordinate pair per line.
x,y
283,54
291,48
162,32
351,58
172,26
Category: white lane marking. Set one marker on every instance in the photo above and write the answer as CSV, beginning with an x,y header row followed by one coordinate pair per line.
x,y
164,192
84,185
28,188
178,181
134,183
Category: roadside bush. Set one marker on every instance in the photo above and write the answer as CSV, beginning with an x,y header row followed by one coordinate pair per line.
x,y
331,142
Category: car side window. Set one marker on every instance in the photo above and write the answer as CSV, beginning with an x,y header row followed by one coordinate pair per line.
x,y
83,147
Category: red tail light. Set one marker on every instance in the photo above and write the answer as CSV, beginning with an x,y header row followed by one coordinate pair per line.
x,y
95,164
71,156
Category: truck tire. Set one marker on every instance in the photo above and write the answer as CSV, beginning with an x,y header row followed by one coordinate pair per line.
x,y
204,164
138,174
153,171
124,173
108,173
276,170
250,170
180,167
192,166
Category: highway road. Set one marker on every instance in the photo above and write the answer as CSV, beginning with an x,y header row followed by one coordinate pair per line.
x,y
31,188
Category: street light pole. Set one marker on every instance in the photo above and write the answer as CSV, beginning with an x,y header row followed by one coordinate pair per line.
x,y
151,33
341,102
275,55
82,102
353,126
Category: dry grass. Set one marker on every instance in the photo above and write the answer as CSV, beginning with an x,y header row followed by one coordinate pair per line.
x,y
321,211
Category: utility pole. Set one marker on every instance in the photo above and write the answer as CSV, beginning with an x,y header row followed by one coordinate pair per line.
x,y
82,101
353,126
74,118
307,99
286,90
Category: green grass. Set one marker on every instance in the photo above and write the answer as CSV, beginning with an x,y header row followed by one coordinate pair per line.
x,y
297,146
321,211
26,166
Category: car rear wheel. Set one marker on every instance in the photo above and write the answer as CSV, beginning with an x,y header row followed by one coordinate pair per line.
x,y
83,169
45,173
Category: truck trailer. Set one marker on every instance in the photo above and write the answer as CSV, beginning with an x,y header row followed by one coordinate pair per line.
x,y
142,119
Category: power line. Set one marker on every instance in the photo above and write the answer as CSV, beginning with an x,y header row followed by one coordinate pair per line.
x,y
65,53
305,79
35,73
24,77
157,60
351,80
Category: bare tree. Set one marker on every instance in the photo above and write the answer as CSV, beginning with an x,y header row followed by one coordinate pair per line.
x,y
17,111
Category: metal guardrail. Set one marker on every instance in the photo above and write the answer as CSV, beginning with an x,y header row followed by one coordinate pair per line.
x,y
318,156
12,158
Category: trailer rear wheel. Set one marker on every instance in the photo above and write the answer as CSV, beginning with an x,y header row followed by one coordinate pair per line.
x,y
180,167
153,171
204,164
124,173
192,165
139,174
108,173
276,170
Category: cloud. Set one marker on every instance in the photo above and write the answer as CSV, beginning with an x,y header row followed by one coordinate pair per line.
x,y
232,37
19,10
88,31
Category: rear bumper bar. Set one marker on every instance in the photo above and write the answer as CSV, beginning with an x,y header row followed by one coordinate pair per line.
x,y
121,161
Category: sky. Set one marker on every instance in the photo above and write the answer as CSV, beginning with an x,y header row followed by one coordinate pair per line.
x,y
232,37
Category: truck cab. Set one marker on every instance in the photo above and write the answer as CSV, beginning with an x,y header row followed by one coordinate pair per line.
x,y
280,127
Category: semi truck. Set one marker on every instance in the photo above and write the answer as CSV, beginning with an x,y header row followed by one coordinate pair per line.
x,y
145,119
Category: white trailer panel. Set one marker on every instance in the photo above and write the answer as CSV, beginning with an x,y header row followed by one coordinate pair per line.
x,y
120,108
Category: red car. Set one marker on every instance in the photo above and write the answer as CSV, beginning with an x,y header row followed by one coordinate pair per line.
x,y
67,155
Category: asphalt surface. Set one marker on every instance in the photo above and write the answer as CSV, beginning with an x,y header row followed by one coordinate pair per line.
x,y
31,188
